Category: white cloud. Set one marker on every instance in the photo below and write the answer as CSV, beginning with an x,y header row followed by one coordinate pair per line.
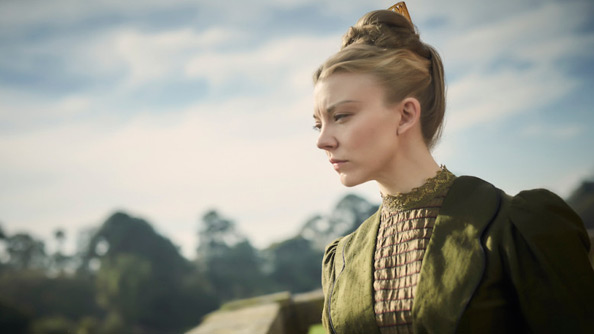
x,y
274,62
153,56
539,36
14,13
19,109
538,40
171,167
477,99
253,157
557,131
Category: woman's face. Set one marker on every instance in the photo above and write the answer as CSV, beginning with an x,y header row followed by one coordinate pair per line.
x,y
358,130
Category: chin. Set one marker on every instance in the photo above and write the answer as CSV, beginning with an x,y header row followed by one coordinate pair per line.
x,y
350,181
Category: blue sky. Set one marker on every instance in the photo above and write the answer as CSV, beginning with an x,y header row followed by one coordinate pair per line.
x,y
165,109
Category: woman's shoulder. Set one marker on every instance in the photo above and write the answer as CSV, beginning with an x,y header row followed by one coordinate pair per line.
x,y
540,244
362,230
544,219
543,206
330,249
522,207
533,213
546,246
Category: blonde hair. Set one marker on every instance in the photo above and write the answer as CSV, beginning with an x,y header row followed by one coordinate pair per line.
x,y
386,45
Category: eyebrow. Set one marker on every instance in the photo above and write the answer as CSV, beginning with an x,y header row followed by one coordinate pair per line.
x,y
331,108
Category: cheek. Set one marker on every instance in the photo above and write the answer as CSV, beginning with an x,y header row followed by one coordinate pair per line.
x,y
372,136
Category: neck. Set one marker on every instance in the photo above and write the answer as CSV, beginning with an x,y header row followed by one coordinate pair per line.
x,y
412,170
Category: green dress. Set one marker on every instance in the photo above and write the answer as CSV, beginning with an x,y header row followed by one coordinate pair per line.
x,y
494,264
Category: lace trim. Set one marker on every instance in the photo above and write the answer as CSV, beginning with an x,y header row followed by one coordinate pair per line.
x,y
420,195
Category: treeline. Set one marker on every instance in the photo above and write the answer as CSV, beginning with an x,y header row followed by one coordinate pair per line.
x,y
124,277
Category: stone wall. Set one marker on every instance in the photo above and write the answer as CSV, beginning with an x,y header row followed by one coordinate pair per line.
x,y
279,313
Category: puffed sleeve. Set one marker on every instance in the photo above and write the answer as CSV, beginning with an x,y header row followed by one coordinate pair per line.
x,y
328,273
548,264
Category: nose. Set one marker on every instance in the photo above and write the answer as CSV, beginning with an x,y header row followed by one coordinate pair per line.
x,y
326,140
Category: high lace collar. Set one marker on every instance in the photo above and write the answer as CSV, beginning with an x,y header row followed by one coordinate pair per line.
x,y
418,196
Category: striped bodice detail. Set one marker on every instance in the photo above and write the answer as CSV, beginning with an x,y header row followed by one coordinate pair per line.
x,y
405,230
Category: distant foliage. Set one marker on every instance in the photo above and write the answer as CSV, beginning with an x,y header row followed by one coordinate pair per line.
x,y
25,252
217,235
348,214
297,265
228,259
38,298
141,284
582,201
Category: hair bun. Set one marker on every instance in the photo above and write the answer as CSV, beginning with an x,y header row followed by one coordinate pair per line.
x,y
387,30
366,34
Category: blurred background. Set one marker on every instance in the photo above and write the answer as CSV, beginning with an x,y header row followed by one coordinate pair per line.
x,y
159,155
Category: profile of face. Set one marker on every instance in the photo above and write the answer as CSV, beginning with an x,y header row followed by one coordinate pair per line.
x,y
358,129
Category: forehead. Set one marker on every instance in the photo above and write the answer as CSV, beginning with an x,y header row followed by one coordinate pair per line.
x,y
346,86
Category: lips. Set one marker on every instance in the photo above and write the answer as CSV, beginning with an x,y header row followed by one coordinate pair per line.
x,y
336,163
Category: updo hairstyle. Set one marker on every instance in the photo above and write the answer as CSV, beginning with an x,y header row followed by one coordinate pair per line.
x,y
386,45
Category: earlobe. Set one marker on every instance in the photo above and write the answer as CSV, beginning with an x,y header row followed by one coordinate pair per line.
x,y
410,114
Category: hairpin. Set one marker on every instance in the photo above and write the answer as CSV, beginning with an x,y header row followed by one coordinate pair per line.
x,y
400,8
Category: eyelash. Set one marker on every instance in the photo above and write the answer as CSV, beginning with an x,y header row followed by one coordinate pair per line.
x,y
337,117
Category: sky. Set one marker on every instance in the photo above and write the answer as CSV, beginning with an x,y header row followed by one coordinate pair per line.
x,y
167,109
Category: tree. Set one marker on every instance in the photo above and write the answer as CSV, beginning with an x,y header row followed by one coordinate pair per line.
x,y
3,256
43,297
125,286
582,201
121,233
25,252
297,265
13,320
59,259
348,214
231,264
216,235
142,282
2,233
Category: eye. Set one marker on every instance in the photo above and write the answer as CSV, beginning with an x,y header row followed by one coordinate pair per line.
x,y
317,127
338,117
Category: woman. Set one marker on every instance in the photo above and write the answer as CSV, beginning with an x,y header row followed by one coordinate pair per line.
x,y
443,253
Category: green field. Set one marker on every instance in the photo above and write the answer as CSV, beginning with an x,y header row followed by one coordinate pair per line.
x,y
316,329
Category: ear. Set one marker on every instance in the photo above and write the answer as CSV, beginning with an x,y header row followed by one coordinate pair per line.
x,y
410,114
